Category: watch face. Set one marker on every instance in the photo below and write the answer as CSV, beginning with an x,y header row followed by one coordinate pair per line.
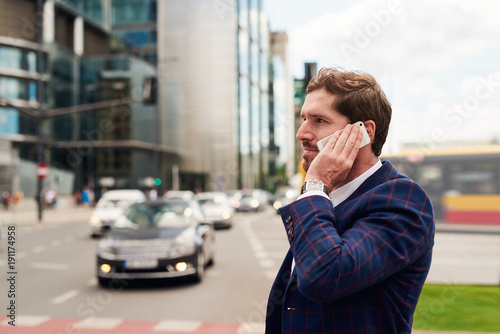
x,y
314,185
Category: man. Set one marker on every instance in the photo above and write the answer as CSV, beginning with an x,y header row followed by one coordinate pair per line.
x,y
361,234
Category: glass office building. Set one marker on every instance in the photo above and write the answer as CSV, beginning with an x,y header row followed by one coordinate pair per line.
x,y
212,60
214,63
134,29
109,139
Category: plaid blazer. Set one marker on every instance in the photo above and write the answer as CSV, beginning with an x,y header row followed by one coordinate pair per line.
x,y
360,266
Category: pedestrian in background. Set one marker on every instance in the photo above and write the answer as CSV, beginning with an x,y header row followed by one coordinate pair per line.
x,y
86,196
6,199
361,234
18,199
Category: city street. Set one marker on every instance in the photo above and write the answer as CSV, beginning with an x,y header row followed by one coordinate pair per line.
x,y
56,282
56,290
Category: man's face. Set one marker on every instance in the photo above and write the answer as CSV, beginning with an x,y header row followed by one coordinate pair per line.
x,y
319,121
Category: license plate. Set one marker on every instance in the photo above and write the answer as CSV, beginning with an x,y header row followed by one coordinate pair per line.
x,y
141,263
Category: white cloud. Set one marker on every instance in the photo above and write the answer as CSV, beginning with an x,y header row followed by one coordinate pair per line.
x,y
429,56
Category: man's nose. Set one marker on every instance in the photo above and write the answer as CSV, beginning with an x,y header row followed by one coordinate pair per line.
x,y
304,132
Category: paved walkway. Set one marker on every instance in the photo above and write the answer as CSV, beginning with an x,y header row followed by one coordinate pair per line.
x,y
65,212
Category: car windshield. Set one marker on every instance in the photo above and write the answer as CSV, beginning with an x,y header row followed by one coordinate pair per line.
x,y
114,203
163,215
217,199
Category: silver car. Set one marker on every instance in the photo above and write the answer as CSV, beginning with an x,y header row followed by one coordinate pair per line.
x,y
217,208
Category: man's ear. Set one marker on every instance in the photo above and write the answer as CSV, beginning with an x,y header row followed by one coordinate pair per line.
x,y
370,128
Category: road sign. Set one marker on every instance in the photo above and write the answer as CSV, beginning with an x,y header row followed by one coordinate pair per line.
x,y
42,170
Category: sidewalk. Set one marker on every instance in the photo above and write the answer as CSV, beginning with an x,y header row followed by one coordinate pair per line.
x,y
27,214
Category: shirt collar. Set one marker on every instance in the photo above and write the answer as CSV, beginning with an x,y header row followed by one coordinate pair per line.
x,y
341,194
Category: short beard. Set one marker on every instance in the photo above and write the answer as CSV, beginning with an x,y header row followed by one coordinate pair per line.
x,y
306,164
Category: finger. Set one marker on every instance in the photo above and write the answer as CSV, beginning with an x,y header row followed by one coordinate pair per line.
x,y
342,139
353,143
333,140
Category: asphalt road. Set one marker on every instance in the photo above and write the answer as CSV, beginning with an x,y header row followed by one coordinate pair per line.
x,y
55,278
56,290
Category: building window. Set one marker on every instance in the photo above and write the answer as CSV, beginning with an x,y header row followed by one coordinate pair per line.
x,y
18,89
133,11
133,38
17,59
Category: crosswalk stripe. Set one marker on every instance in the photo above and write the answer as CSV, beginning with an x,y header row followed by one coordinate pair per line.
x,y
98,323
27,320
177,325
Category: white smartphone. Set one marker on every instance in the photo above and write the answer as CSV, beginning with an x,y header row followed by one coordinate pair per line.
x,y
365,141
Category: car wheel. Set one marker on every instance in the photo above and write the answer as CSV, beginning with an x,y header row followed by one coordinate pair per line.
x,y
200,268
211,260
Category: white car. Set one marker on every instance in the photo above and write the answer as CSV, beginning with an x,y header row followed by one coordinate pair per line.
x,y
110,206
217,208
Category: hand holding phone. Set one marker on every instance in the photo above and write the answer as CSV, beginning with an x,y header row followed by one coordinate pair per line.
x,y
365,141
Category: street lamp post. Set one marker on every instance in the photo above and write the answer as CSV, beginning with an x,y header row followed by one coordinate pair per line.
x,y
40,97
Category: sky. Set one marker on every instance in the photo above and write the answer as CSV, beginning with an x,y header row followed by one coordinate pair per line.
x,y
437,60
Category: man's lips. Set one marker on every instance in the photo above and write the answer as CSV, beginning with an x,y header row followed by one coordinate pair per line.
x,y
309,148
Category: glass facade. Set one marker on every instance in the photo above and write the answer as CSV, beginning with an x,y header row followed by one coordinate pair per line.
x,y
17,59
128,12
92,9
134,28
213,69
253,68
110,141
9,121
134,38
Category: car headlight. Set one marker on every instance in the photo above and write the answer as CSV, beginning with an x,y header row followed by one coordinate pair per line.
x,y
226,215
277,205
95,220
254,203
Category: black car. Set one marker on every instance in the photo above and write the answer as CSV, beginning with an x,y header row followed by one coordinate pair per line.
x,y
156,239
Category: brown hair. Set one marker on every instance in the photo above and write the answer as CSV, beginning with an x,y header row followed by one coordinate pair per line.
x,y
360,98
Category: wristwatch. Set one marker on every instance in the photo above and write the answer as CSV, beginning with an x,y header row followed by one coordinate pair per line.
x,y
314,185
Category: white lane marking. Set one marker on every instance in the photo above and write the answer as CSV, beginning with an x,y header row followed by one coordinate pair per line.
x,y
39,248
27,320
55,243
21,255
65,297
98,323
177,326
266,263
261,254
48,265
